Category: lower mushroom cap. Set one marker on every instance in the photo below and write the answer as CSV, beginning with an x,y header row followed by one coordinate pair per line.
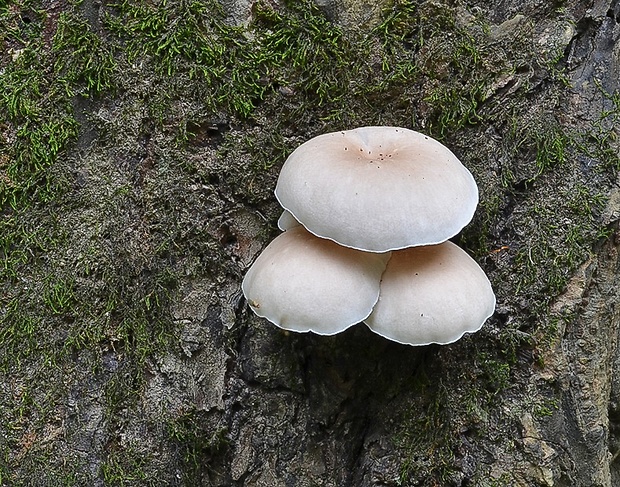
x,y
304,283
431,294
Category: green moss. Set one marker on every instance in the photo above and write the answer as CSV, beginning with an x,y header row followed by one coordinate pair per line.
x,y
37,125
83,59
426,438
601,142
190,40
556,245
127,467
546,409
496,372
199,445
58,295
299,45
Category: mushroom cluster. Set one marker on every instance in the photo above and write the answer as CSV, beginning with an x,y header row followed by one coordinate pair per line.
x,y
367,217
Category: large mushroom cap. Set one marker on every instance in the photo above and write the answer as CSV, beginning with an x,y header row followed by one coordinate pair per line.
x,y
377,189
431,294
304,283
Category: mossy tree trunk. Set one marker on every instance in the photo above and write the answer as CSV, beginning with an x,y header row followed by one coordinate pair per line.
x,y
140,143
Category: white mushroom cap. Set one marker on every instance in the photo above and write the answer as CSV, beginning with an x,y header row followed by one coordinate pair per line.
x,y
377,189
431,294
287,221
304,283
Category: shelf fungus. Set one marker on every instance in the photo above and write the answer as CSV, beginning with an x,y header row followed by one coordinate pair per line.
x,y
367,217
431,294
304,283
377,189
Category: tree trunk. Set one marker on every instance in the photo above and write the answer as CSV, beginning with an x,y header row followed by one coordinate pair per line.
x,y
141,143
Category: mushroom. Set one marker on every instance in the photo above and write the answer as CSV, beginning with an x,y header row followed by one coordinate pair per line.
x,y
377,189
304,283
287,221
431,294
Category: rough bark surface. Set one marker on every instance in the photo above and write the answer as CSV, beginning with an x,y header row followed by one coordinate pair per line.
x,y
230,400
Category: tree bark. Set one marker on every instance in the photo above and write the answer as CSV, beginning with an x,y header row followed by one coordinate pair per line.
x,y
154,371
